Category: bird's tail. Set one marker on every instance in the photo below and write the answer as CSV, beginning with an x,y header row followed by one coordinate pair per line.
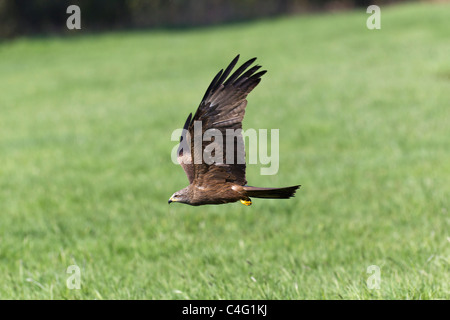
x,y
271,193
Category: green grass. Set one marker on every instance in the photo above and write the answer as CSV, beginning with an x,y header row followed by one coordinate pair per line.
x,y
364,116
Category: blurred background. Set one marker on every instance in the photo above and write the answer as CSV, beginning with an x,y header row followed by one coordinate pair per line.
x,y
24,17
86,118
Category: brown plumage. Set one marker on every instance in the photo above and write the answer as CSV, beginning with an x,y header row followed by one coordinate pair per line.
x,y
222,108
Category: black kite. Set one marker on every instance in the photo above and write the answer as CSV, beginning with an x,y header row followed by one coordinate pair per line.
x,y
222,108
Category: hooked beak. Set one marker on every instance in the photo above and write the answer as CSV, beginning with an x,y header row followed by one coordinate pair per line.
x,y
170,201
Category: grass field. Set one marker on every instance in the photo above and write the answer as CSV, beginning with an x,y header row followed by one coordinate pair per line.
x,y
364,117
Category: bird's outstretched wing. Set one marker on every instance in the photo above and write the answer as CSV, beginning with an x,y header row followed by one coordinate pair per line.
x,y
222,108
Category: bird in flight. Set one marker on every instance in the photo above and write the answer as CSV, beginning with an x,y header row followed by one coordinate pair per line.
x,y
222,179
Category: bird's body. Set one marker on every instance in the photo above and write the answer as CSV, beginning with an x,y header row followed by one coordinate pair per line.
x,y
221,178
227,192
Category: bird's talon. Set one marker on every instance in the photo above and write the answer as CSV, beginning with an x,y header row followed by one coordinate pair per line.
x,y
246,202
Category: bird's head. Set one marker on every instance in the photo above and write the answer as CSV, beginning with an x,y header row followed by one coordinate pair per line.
x,y
181,196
